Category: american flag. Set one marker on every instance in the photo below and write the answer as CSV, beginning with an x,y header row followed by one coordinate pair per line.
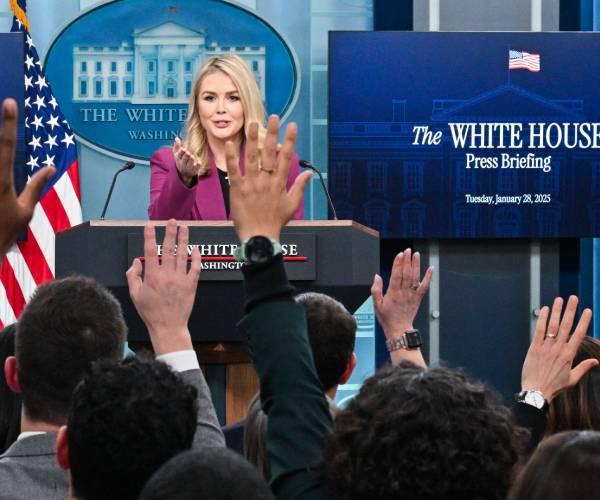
x,y
523,60
50,141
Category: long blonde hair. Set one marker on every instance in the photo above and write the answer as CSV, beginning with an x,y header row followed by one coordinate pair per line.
x,y
254,110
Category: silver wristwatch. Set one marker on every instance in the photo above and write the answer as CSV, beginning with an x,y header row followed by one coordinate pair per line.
x,y
533,398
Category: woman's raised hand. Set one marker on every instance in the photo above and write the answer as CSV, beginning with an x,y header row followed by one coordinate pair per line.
x,y
186,162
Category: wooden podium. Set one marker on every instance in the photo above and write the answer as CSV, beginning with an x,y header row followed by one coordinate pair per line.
x,y
338,258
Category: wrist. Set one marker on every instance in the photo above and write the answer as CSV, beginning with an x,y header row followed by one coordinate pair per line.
x,y
413,355
168,340
188,180
398,330
246,234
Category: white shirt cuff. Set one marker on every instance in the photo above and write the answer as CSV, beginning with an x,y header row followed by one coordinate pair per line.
x,y
180,361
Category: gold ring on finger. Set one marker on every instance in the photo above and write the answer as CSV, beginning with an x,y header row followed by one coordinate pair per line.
x,y
415,286
262,169
551,336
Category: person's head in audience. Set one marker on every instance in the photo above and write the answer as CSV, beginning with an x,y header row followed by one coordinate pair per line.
x,y
331,333
126,419
255,434
422,434
68,324
10,403
211,474
578,407
565,466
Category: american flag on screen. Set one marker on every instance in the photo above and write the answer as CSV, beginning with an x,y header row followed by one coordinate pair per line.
x,y
523,60
50,141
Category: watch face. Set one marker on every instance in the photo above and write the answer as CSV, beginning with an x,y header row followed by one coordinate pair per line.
x,y
413,339
534,398
259,249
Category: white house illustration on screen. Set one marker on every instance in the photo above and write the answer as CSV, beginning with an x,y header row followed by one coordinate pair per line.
x,y
158,68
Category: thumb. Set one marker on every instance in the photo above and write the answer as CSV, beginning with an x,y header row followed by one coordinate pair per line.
x,y
377,291
426,281
196,267
581,369
297,190
176,144
31,194
134,277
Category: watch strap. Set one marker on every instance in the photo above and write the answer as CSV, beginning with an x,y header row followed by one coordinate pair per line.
x,y
410,339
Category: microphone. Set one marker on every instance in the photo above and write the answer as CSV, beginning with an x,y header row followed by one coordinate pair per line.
x,y
128,166
305,164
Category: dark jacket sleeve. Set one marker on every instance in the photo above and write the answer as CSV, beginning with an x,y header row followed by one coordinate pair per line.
x,y
291,393
532,419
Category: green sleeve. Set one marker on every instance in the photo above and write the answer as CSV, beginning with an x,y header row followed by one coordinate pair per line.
x,y
293,398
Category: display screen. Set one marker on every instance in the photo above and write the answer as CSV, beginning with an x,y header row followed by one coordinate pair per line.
x,y
466,135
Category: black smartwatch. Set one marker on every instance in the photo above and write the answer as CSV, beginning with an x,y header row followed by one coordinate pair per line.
x,y
257,250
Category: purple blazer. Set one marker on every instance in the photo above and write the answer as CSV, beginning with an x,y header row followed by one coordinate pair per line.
x,y
171,198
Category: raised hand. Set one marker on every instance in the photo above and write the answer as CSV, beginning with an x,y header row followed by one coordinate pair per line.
x,y
164,297
548,364
186,162
396,310
260,203
15,213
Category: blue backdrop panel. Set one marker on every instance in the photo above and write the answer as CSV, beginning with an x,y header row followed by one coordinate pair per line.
x,y
11,85
386,175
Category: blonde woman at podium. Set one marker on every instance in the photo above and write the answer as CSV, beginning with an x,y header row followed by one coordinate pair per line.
x,y
189,181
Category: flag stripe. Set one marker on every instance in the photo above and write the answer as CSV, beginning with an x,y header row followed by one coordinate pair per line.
x,y
7,314
57,216
69,200
73,172
44,236
35,259
22,273
14,293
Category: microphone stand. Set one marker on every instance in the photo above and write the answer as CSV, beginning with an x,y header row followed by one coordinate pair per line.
x,y
305,164
128,166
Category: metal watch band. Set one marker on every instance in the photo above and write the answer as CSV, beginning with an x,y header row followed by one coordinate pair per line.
x,y
410,339
395,344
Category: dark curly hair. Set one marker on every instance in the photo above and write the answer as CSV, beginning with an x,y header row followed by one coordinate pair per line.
x,y
126,419
422,434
